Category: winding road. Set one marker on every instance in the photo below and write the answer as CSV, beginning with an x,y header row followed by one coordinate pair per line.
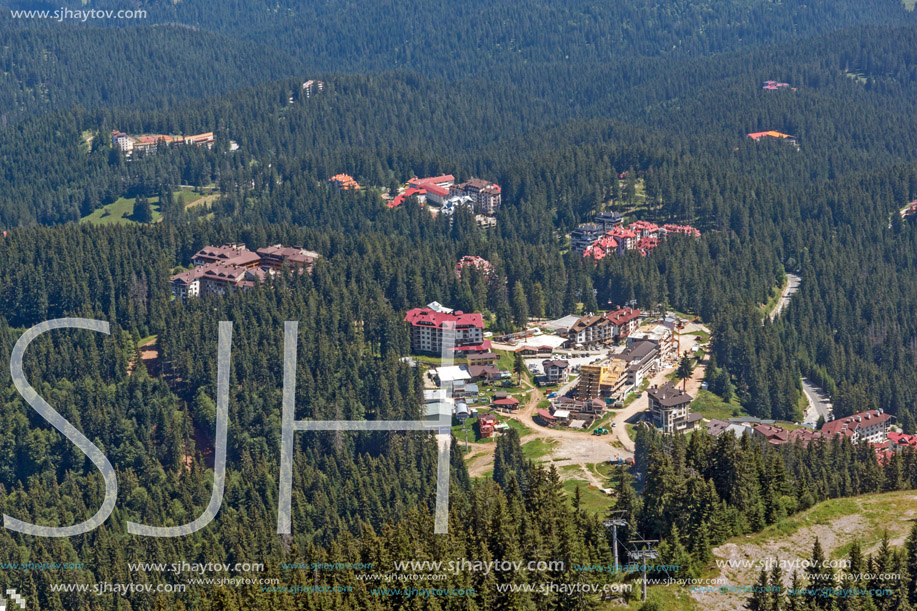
x,y
792,285
819,403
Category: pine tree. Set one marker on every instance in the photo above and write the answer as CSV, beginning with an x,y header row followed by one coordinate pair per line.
x,y
820,578
143,211
776,600
759,597
910,563
520,306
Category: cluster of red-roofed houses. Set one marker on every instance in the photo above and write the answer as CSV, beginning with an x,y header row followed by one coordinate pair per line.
x,y
597,241
150,143
479,263
775,86
477,195
870,427
220,269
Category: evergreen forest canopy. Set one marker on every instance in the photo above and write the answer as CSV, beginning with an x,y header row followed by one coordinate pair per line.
x,y
553,102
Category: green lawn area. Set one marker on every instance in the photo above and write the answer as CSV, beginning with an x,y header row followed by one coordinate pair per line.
x,y
426,359
666,597
515,424
505,360
120,211
537,448
149,339
881,512
592,500
702,336
473,436
604,421
711,406
86,140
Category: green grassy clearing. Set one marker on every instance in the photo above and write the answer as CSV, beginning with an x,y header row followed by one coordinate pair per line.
x,y
121,211
712,406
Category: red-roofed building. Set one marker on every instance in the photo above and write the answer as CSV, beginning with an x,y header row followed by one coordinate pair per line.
x,y
436,188
427,327
683,229
804,436
883,456
546,418
411,192
625,320
487,196
901,441
344,182
486,424
478,263
870,426
646,245
510,403
774,435
627,236
603,247
227,254
278,255
218,269
645,229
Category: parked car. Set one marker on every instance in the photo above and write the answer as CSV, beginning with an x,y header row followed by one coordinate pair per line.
x,y
614,424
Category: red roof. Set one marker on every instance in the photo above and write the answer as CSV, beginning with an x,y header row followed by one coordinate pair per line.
x,y
644,226
484,346
647,244
408,193
434,184
623,316
685,229
436,189
902,439
849,425
507,401
431,318
434,179
546,414
621,232
601,247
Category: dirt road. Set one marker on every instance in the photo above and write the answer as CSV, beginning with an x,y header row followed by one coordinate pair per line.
x,y
571,447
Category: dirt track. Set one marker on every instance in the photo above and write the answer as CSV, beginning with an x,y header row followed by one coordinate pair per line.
x,y
579,448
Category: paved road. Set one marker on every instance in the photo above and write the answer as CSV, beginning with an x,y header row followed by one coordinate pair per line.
x,y
792,285
819,402
573,447
641,404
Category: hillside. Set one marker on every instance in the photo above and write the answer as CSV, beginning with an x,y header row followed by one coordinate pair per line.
x,y
837,524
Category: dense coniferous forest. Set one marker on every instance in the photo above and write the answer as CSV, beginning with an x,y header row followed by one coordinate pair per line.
x,y
555,102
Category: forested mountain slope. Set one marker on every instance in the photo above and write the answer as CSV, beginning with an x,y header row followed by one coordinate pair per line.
x,y
450,37
568,106
52,68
